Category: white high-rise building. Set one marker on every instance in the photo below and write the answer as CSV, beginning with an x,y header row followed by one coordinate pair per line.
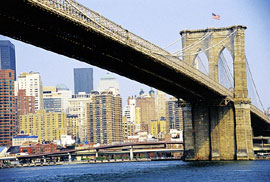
x,y
78,106
127,113
32,83
66,94
55,98
130,113
132,106
108,83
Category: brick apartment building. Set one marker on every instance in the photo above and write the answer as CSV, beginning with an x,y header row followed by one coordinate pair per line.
x,y
7,108
39,148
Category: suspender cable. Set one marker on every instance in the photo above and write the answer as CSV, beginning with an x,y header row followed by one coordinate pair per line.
x,y
254,85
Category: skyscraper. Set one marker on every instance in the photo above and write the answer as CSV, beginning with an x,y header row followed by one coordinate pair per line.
x,y
137,119
25,104
174,115
83,80
7,56
128,128
132,107
148,111
8,124
47,126
158,128
55,98
160,104
73,125
78,106
129,119
108,83
105,118
32,83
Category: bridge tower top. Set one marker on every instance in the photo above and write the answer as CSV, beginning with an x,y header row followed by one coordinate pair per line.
x,y
213,29
212,41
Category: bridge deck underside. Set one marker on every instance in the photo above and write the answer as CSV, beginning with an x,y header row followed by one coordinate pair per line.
x,y
260,127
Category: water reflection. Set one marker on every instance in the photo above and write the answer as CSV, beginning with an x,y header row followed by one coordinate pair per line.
x,y
144,171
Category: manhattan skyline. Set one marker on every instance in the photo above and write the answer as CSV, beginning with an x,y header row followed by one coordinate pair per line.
x,y
160,23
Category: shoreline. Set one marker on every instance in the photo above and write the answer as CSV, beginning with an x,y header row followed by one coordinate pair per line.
x,y
85,162
101,162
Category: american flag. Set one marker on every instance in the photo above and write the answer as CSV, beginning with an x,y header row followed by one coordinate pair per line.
x,y
215,16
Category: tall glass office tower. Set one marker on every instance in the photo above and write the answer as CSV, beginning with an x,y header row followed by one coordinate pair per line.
x,y
83,80
7,56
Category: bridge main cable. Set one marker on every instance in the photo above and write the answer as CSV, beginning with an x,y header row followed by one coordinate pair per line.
x,y
195,53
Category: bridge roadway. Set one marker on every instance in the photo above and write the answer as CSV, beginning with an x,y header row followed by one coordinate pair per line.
x,y
118,145
128,152
70,29
92,150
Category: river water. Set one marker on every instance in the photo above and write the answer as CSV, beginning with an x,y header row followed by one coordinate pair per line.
x,y
158,171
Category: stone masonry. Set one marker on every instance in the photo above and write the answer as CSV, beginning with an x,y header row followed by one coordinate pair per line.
x,y
218,131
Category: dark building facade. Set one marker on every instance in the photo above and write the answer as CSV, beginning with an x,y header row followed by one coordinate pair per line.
x,y
52,104
83,80
8,125
7,56
174,115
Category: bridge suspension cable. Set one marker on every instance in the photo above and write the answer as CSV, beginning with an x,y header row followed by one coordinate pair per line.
x,y
226,79
194,43
198,52
174,54
230,74
200,62
254,85
191,45
180,39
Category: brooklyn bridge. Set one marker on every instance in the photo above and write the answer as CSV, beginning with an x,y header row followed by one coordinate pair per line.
x,y
220,121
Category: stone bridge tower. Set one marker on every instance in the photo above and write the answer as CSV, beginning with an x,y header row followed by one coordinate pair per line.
x,y
218,131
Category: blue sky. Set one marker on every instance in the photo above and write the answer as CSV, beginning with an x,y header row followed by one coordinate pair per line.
x,y
160,22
